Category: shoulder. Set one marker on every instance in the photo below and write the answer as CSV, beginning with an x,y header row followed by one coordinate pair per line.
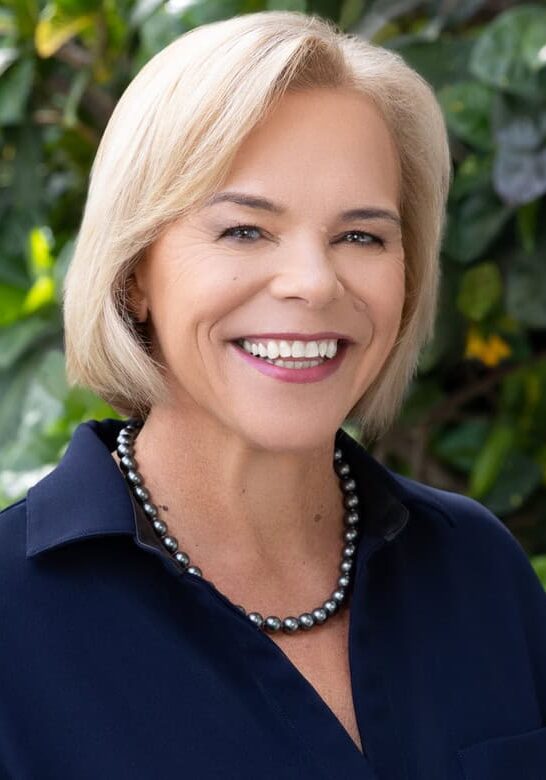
x,y
475,536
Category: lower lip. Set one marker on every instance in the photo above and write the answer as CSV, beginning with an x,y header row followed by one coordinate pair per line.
x,y
314,374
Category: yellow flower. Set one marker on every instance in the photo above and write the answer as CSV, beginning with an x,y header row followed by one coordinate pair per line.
x,y
489,350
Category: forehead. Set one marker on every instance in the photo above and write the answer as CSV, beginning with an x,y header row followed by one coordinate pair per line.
x,y
321,142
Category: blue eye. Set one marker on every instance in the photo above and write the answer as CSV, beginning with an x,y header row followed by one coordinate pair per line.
x,y
374,239
242,231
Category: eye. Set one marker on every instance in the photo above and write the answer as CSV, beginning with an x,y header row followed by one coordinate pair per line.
x,y
370,238
241,233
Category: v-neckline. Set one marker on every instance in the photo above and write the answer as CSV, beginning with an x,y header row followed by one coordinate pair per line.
x,y
293,692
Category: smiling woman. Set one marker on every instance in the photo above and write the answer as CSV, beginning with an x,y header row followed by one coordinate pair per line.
x,y
257,264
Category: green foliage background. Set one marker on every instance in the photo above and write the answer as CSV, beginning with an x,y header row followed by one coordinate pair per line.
x,y
475,419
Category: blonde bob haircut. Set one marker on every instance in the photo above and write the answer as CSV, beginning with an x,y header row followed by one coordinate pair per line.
x,y
169,145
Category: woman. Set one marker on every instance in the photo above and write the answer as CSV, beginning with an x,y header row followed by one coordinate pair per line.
x,y
226,584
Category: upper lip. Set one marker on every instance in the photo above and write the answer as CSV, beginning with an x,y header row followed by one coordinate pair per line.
x,y
323,335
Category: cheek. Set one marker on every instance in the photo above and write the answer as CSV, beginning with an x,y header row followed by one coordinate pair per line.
x,y
381,292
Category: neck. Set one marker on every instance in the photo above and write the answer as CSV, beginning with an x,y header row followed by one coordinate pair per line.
x,y
239,508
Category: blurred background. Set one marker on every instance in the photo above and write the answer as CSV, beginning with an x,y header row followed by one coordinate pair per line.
x,y
475,418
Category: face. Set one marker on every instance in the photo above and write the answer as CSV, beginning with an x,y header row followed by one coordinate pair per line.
x,y
294,276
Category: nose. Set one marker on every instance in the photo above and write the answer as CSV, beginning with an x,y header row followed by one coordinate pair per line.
x,y
307,274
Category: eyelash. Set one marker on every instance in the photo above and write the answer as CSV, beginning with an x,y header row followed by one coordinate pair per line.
x,y
228,231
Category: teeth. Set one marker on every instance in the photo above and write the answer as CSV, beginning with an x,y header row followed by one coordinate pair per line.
x,y
291,349
293,364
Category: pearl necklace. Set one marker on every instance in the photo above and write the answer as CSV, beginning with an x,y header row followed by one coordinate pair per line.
x,y
271,624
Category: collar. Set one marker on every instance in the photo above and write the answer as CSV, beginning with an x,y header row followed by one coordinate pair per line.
x,y
86,496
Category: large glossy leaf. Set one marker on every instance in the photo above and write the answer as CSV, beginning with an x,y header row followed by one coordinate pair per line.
x,y
489,462
467,108
19,337
378,12
526,288
42,405
8,54
473,224
460,445
442,61
480,291
56,27
509,53
15,85
519,174
517,479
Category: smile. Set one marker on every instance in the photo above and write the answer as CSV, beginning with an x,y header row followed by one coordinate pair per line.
x,y
293,361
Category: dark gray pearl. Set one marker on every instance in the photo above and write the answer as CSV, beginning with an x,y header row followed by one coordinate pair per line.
x,y
272,623
290,625
342,469
306,621
350,501
256,618
127,463
352,518
350,534
170,543
150,509
182,558
338,595
330,606
160,527
141,493
319,615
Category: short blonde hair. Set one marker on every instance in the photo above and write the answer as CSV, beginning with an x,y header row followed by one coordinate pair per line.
x,y
169,145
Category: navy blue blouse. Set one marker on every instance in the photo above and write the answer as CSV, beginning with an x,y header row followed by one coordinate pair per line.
x,y
116,664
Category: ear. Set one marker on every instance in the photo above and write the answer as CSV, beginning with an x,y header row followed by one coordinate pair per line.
x,y
136,295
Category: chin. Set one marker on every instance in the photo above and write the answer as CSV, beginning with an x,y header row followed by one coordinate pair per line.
x,y
281,436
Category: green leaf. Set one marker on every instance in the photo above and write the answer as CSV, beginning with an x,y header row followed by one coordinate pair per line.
x,y
40,241
11,301
55,28
480,291
379,12
351,13
507,55
460,445
526,288
527,223
471,175
15,86
473,224
440,62
539,564
16,339
8,54
489,462
518,478
467,107
42,405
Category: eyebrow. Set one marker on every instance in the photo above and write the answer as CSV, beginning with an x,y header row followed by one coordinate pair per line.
x,y
263,204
